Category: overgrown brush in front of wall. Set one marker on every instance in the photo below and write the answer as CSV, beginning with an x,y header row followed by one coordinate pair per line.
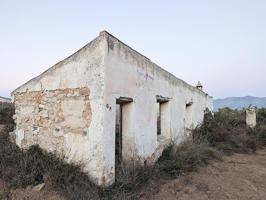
x,y
130,181
223,132
187,157
21,168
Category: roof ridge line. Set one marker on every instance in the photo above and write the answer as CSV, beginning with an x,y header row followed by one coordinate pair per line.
x,y
106,33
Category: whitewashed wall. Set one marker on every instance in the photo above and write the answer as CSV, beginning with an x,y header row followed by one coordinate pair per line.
x,y
129,74
84,69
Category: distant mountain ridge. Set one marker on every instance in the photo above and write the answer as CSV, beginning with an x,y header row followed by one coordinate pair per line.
x,y
239,102
5,100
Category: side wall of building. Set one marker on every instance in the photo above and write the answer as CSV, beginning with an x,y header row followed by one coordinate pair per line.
x,y
62,109
131,75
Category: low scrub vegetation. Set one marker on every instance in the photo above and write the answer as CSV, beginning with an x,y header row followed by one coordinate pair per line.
x,y
185,158
260,129
33,166
225,132
6,113
261,116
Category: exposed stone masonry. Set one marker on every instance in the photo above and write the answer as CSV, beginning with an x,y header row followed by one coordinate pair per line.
x,y
44,117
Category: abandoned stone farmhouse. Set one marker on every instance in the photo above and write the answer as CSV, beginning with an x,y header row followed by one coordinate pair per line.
x,y
106,104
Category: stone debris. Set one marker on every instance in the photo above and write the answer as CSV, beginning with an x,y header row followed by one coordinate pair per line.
x,y
38,187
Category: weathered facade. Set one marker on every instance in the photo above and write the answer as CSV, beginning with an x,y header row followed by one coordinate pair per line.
x,y
106,103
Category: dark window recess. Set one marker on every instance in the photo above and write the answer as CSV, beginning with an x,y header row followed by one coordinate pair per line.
x,y
160,100
118,134
159,120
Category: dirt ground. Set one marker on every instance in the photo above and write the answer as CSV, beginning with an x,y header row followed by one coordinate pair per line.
x,y
27,194
238,177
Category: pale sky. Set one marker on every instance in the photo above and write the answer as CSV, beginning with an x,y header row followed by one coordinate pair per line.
x,y
222,43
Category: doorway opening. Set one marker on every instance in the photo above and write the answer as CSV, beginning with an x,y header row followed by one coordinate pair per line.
x,y
188,115
120,127
118,134
162,115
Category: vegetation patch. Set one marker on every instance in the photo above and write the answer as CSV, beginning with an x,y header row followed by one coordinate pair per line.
x,y
226,131
186,157
6,113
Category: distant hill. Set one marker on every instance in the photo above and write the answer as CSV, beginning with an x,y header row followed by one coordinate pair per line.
x,y
239,102
5,100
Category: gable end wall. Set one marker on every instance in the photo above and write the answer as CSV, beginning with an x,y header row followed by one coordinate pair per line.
x,y
62,109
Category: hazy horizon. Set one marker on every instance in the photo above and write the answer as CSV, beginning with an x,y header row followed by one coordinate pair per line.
x,y
220,43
